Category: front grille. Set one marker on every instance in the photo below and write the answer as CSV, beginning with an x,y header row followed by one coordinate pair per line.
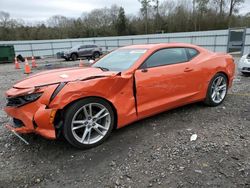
x,y
15,101
17,123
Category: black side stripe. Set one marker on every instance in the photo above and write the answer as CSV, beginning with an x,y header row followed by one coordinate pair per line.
x,y
134,93
57,90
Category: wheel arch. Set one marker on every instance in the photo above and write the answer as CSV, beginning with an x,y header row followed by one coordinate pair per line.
x,y
211,76
94,52
74,53
208,101
61,112
223,72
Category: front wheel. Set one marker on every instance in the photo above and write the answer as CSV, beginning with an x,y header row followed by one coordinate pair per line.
x,y
74,57
217,90
88,122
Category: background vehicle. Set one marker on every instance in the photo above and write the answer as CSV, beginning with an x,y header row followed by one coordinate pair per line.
x,y
88,51
128,84
244,64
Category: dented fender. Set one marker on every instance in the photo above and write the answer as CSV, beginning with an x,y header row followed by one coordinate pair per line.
x,y
116,89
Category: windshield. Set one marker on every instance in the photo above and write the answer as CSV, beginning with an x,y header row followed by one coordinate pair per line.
x,y
120,60
75,47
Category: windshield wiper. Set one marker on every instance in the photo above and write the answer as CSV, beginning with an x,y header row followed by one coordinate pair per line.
x,y
103,68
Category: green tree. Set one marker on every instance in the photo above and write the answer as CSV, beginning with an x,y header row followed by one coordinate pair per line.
x,y
145,4
121,23
157,16
233,8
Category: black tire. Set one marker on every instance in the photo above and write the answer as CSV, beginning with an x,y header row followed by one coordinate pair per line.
x,y
209,101
70,113
96,55
245,74
74,57
20,58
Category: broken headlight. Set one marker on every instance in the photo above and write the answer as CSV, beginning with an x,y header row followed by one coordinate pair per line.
x,y
31,97
22,100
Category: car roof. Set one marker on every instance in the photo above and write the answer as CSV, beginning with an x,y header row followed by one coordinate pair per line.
x,y
159,45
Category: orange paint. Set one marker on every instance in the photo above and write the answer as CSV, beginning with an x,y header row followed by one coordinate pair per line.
x,y
134,94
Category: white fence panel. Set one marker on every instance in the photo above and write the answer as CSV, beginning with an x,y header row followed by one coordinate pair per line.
x,y
213,40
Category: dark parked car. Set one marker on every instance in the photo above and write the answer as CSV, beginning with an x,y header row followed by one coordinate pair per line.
x,y
88,51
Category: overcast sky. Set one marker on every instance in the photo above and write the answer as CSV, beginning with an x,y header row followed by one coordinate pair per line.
x,y
40,10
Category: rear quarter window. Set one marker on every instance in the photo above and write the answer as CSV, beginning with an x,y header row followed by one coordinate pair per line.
x,y
192,53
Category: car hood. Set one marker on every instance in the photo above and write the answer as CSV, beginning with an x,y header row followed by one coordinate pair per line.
x,y
62,75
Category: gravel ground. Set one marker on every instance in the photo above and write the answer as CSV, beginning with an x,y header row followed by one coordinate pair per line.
x,y
155,152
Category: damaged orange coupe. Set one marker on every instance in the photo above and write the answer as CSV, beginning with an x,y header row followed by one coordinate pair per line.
x,y
86,103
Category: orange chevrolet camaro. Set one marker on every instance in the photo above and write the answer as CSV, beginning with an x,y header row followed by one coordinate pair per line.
x,y
86,103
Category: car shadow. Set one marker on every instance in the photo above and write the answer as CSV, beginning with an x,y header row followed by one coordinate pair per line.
x,y
59,155
125,137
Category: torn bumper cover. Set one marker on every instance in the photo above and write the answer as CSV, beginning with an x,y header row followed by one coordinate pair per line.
x,y
34,118
33,104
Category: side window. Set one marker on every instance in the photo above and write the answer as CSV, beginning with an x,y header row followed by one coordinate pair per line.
x,y
166,57
83,46
90,46
192,53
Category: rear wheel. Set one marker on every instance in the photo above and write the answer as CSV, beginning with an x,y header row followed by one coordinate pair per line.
x,y
88,123
217,90
96,55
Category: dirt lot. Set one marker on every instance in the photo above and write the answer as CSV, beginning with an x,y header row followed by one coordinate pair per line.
x,y
155,152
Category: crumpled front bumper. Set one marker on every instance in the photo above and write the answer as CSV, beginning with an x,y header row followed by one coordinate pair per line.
x,y
65,55
244,69
36,118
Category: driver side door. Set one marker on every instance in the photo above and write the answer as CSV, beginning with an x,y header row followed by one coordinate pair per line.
x,y
82,51
165,80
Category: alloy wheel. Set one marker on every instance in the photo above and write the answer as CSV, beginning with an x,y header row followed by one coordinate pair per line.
x,y
219,89
90,123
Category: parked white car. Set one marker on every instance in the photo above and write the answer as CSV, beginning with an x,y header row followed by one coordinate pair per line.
x,y
244,64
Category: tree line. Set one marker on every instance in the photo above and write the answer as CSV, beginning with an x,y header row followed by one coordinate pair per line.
x,y
153,17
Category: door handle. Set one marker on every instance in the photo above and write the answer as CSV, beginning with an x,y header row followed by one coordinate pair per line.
x,y
187,69
144,70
